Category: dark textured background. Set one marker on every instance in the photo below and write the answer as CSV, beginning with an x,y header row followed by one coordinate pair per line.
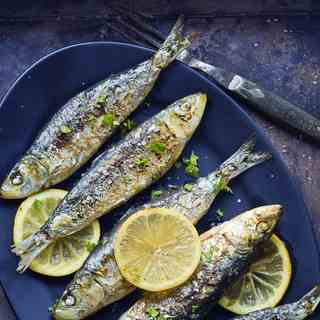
x,y
272,42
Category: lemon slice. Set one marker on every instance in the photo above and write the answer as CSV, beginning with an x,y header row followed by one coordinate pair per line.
x,y
265,283
64,256
157,249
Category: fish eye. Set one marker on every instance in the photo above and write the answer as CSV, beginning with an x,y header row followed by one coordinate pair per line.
x,y
70,300
16,178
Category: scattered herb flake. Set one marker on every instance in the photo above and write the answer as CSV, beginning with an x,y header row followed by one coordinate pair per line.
x,y
152,313
90,246
187,187
206,256
127,126
101,99
220,213
194,308
221,185
37,204
191,165
142,163
107,120
157,147
156,194
65,129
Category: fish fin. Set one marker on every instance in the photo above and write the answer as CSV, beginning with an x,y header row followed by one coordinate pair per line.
x,y
173,46
311,300
243,159
29,249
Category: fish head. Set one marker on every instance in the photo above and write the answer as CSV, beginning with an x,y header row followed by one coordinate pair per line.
x,y
255,226
28,176
81,298
184,115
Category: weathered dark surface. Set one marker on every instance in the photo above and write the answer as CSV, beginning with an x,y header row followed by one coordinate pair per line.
x,y
280,53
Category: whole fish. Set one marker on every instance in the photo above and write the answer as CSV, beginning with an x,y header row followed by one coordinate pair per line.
x,y
85,122
226,252
141,158
100,283
294,311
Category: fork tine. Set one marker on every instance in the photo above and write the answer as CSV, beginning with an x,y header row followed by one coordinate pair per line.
x,y
137,19
125,35
147,38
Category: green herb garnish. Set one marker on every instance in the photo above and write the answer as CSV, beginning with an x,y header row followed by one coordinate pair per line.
x,y
206,256
107,120
187,187
157,147
37,204
156,194
152,313
127,126
194,308
65,129
92,120
220,213
221,185
90,246
101,99
142,163
191,165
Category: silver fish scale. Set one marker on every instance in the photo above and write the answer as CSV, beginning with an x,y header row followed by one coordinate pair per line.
x,y
61,152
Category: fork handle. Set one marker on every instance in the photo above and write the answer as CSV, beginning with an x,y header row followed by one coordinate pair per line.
x,y
262,100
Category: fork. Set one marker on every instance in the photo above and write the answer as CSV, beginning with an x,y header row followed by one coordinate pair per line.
x,y
275,107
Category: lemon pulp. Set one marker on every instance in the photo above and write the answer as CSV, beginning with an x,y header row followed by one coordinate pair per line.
x,y
157,249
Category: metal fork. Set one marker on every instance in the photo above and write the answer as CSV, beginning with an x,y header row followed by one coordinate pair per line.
x,y
278,109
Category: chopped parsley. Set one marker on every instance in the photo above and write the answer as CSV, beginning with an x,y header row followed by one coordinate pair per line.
x,y
65,129
187,187
92,120
127,126
90,246
194,308
221,185
220,213
107,120
191,165
156,194
157,147
206,256
101,99
37,204
152,313
142,163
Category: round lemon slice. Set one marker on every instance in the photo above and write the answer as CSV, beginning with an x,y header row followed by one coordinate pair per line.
x,y
157,249
265,283
64,256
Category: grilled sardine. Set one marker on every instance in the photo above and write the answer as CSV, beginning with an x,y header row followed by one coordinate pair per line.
x,y
141,158
86,121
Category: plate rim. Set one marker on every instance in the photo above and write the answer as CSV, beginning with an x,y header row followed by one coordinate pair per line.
x,y
291,180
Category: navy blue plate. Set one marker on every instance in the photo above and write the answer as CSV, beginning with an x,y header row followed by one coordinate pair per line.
x,y
48,84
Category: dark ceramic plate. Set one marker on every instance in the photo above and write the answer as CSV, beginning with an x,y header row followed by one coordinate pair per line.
x,y
48,84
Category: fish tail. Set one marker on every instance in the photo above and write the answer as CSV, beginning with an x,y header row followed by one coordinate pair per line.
x,y
29,249
173,46
310,301
243,159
